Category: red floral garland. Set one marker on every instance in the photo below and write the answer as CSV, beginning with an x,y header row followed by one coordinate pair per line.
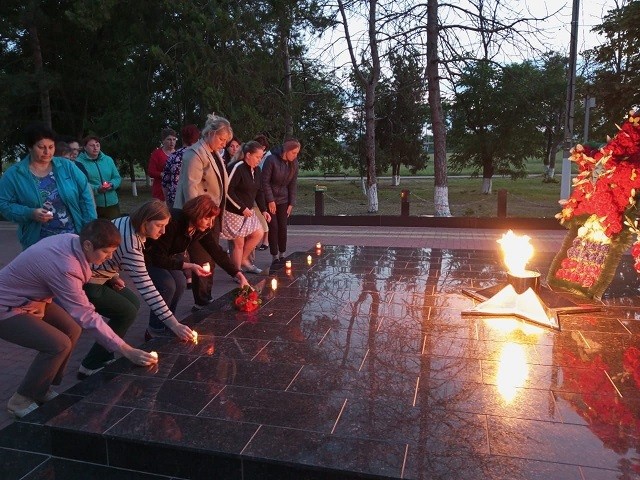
x,y
607,182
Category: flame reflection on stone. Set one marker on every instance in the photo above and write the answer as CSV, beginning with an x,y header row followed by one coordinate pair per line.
x,y
513,371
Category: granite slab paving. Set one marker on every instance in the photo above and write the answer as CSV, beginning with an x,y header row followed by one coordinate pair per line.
x,y
360,364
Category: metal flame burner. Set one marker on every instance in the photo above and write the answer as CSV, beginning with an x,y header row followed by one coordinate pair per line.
x,y
520,283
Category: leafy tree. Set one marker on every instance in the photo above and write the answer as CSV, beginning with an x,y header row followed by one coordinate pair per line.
x,y
493,128
616,65
550,106
402,115
367,77
175,63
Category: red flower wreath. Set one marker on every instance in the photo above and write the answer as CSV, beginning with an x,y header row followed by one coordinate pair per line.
x,y
607,182
246,299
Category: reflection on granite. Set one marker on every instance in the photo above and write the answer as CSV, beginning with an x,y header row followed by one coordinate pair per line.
x,y
360,365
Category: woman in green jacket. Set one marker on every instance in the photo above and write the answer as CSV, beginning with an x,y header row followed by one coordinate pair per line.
x,y
43,194
103,176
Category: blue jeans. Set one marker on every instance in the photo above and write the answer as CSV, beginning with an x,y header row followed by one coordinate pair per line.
x,y
170,284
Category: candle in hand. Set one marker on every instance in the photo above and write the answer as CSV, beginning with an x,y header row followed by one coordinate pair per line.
x,y
154,355
309,260
195,336
206,267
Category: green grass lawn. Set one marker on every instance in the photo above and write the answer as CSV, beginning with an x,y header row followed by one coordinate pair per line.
x,y
528,197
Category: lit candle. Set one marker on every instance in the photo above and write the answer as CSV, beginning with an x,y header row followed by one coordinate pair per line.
x,y
105,184
287,264
309,260
154,355
318,246
206,267
195,336
274,284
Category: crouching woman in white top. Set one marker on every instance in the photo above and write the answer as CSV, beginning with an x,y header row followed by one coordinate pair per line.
x,y
56,266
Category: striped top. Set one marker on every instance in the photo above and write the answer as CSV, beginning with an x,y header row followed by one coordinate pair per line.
x,y
129,256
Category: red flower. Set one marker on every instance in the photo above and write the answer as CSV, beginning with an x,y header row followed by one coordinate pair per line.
x,y
246,299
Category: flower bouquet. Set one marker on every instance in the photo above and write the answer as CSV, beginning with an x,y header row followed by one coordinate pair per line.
x,y
600,213
246,299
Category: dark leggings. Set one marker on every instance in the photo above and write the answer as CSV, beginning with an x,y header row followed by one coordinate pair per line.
x,y
121,309
278,230
54,337
201,286
170,284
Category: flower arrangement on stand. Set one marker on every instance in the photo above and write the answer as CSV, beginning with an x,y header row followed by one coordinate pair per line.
x,y
600,213
246,299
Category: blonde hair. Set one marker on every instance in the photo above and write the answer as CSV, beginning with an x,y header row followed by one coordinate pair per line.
x,y
147,212
214,124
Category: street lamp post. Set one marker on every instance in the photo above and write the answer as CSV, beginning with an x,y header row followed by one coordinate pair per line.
x,y
589,103
565,184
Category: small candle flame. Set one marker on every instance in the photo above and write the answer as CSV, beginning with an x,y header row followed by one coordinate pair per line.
x,y
206,267
517,251
154,355
274,284
309,260
318,246
195,336
287,264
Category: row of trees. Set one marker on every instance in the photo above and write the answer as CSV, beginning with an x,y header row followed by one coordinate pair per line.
x,y
124,70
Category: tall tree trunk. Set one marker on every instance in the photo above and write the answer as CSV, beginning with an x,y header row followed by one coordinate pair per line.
x,y
45,101
395,174
368,83
370,147
487,176
441,190
288,89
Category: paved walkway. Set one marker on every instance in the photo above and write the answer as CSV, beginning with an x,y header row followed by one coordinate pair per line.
x,y
15,360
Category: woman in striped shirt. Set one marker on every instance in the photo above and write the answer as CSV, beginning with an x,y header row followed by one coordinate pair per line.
x,y
112,298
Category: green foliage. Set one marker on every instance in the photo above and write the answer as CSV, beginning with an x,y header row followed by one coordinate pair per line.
x,y
616,67
495,126
125,77
402,113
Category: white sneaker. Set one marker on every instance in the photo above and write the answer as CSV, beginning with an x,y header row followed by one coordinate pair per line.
x,y
50,395
251,269
19,406
84,372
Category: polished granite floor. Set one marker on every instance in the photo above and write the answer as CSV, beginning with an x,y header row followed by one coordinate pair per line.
x,y
359,364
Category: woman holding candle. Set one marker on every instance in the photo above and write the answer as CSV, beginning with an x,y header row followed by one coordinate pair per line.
x,y
43,194
29,318
158,160
165,255
103,176
112,298
241,224
279,184
203,173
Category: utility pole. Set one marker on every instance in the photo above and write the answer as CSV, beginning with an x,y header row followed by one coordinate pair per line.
x,y
565,184
589,103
